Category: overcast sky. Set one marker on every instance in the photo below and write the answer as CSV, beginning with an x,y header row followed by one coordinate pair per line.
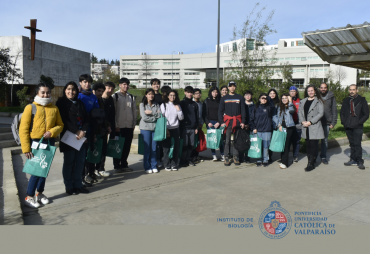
x,y
112,28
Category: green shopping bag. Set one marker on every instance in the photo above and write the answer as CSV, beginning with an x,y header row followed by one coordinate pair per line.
x,y
140,149
40,164
160,129
94,156
170,154
255,151
196,140
115,147
278,141
214,138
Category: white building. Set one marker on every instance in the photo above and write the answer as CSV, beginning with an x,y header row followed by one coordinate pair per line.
x,y
97,70
181,70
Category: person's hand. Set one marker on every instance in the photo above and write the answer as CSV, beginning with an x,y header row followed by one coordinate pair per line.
x,y
210,125
109,130
217,125
290,99
148,112
47,134
80,134
281,128
117,129
223,125
255,131
331,126
29,155
177,107
308,124
242,125
196,131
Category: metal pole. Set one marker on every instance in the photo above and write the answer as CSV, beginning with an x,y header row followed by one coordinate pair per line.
x,y
218,43
172,71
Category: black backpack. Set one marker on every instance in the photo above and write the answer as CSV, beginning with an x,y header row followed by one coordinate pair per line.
x,y
242,141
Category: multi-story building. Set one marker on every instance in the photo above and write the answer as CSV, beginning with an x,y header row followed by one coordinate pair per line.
x,y
199,70
97,70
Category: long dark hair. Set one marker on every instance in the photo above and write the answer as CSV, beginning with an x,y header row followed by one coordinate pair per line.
x,y
177,99
317,93
218,97
145,100
70,83
284,106
259,102
276,99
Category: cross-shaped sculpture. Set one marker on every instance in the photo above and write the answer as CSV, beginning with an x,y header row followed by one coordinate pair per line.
x,y
33,29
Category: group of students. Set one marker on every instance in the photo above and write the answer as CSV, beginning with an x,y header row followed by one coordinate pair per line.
x,y
99,112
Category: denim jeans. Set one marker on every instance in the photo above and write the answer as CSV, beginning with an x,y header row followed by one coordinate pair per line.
x,y
296,139
37,182
266,139
221,142
73,166
324,142
150,147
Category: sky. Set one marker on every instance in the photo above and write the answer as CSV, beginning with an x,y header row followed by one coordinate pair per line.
x,y
112,28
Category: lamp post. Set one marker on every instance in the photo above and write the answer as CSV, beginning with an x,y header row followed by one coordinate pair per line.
x,y
218,43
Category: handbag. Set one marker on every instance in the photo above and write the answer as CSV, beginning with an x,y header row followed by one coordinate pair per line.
x,y
255,150
278,141
160,131
94,156
115,147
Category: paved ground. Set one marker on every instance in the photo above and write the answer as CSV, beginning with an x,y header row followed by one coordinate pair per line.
x,y
199,195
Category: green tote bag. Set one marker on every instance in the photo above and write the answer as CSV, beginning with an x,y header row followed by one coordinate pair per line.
x,y
140,149
170,154
40,164
160,129
255,151
94,156
214,138
278,141
115,147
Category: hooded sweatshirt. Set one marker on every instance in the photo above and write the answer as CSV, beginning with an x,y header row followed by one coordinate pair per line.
x,y
191,114
125,106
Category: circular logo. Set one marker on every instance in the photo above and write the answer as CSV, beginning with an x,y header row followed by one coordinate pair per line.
x,y
275,222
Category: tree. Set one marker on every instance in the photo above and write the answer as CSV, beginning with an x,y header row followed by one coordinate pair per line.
x,y
47,80
94,59
109,75
112,62
22,96
340,74
117,62
145,66
252,65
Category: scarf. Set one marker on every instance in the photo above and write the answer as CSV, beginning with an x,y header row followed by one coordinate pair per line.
x,y
352,105
42,101
85,92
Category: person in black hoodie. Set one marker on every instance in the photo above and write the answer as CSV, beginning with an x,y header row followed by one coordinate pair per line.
x,y
76,120
188,126
353,115
262,125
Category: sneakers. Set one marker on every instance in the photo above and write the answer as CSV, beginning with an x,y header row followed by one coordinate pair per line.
x,y
41,198
89,179
174,168
361,165
259,164
30,202
71,191
214,158
222,158
168,169
282,166
127,169
155,170
86,184
236,160
191,163
149,171
200,160
227,161
265,164
350,163
102,173
324,161
118,170
295,159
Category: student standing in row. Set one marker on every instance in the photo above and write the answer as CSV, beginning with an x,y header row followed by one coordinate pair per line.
x,y
189,126
76,120
197,95
353,115
171,109
156,85
311,110
149,112
297,132
249,107
126,115
210,114
47,123
224,90
231,115
261,123
284,120
272,93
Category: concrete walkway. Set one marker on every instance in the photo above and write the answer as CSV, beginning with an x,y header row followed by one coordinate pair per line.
x,y
200,195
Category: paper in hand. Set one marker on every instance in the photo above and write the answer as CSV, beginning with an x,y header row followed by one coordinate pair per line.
x,y
70,139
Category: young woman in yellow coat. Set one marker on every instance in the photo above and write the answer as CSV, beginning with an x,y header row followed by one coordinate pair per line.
x,y
47,123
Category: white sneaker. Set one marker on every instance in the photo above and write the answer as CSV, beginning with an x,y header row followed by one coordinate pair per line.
x,y
174,169
42,198
282,166
89,179
104,173
167,169
222,158
155,170
215,158
149,171
30,202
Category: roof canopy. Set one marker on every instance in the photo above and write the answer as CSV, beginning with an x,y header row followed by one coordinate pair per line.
x,y
347,46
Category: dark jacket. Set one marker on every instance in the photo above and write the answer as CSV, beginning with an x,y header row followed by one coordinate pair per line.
x,y
231,105
158,99
191,114
261,117
110,114
74,117
361,111
248,111
206,110
330,110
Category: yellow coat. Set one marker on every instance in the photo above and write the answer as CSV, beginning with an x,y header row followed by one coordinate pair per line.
x,y
47,118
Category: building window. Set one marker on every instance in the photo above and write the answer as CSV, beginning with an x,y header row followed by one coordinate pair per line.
x,y
250,44
235,47
300,43
292,43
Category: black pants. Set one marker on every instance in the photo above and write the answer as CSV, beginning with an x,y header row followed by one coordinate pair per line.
x,y
128,134
229,147
311,146
288,142
355,137
167,162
